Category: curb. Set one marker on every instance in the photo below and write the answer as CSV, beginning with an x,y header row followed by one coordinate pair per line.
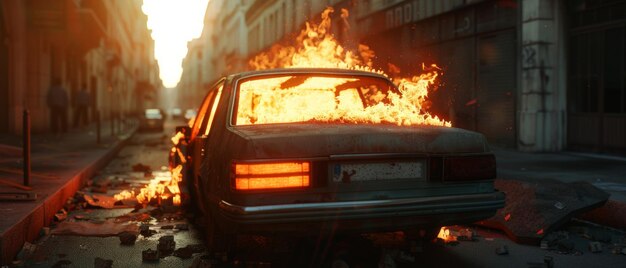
x,y
28,229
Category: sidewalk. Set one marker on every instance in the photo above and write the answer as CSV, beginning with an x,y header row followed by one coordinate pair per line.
x,y
605,172
60,165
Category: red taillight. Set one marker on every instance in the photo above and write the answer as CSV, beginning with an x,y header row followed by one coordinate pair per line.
x,y
470,168
260,176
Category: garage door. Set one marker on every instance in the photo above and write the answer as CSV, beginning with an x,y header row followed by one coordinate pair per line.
x,y
496,87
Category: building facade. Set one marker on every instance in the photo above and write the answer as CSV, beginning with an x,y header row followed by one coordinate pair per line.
x,y
103,45
535,75
191,84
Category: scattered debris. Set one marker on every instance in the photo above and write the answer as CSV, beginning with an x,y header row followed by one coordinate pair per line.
x,y
616,250
104,201
84,228
471,102
548,262
44,231
559,205
166,244
145,231
502,250
102,263
595,247
167,227
28,248
141,168
127,238
134,217
150,255
80,217
61,215
452,234
565,246
553,240
188,251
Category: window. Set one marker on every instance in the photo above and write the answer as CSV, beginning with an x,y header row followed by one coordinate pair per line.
x,y
310,98
596,72
215,101
199,124
195,129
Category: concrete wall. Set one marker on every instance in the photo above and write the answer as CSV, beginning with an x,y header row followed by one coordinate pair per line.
x,y
543,76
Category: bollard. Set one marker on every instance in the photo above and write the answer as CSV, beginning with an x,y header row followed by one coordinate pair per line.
x,y
112,118
97,114
26,147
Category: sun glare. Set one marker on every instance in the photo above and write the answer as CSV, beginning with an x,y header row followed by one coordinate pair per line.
x,y
173,24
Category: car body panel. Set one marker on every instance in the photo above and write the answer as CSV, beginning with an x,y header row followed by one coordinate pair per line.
x,y
424,202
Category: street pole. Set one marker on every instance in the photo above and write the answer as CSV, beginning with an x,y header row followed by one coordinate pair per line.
x,y
97,126
112,118
26,146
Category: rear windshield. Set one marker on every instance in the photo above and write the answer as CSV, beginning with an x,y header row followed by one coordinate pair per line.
x,y
153,114
308,98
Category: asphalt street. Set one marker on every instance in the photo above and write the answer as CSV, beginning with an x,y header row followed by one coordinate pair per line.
x,y
372,250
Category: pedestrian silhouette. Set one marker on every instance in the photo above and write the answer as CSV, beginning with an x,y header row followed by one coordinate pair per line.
x,y
57,102
82,104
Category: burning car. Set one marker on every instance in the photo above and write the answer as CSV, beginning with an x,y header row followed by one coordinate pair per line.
x,y
308,150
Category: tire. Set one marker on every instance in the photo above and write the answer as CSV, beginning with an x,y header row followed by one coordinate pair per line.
x,y
217,240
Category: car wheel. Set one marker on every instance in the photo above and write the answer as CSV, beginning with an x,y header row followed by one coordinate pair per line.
x,y
217,240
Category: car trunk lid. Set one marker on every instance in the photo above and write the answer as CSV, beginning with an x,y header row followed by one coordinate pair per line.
x,y
324,140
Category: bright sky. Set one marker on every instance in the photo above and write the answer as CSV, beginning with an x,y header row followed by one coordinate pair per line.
x,y
173,23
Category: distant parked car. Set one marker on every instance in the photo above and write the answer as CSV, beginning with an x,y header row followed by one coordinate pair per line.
x,y
260,158
152,120
176,113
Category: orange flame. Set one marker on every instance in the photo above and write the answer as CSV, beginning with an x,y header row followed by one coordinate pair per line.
x,y
316,47
444,234
156,188
176,139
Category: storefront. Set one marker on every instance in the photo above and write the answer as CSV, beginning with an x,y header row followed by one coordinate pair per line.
x,y
476,47
597,76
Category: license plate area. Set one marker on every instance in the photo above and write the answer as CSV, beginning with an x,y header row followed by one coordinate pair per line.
x,y
377,171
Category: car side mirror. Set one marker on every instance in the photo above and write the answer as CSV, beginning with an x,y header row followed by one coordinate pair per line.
x,y
186,130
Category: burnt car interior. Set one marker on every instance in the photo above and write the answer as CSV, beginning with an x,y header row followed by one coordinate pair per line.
x,y
255,92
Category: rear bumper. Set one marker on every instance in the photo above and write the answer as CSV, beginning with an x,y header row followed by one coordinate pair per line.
x,y
376,215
